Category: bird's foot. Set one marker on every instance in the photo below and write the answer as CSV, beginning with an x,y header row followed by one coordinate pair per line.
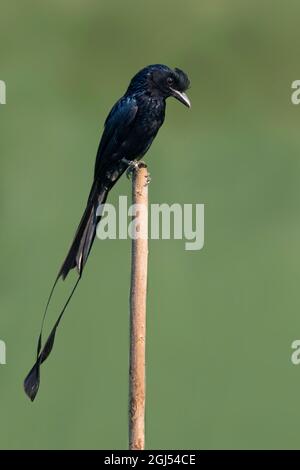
x,y
133,165
148,179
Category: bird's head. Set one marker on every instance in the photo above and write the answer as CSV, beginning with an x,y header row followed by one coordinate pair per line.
x,y
160,80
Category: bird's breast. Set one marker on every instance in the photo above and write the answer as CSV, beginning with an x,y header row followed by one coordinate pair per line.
x,y
152,115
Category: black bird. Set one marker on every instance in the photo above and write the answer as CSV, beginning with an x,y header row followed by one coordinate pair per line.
x,y
129,130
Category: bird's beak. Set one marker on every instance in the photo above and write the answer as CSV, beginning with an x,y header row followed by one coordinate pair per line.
x,y
182,97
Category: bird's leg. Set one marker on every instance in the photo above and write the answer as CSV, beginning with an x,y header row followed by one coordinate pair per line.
x,y
133,165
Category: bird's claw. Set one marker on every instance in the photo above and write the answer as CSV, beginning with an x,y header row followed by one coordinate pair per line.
x,y
133,165
148,179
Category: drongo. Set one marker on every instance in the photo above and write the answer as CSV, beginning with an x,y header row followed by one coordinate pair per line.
x,y
129,130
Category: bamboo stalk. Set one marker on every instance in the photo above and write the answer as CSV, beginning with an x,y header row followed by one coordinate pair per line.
x,y
138,296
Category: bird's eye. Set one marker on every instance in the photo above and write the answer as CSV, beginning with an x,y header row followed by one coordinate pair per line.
x,y
170,81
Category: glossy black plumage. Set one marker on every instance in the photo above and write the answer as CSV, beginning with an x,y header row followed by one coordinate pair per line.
x,y
129,130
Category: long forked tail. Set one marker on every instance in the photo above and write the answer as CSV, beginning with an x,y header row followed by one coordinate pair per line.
x,y
76,258
85,234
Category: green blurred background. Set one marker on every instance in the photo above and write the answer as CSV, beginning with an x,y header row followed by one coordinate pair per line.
x,y
220,321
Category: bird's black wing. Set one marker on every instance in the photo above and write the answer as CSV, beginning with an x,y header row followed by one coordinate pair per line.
x,y
116,130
